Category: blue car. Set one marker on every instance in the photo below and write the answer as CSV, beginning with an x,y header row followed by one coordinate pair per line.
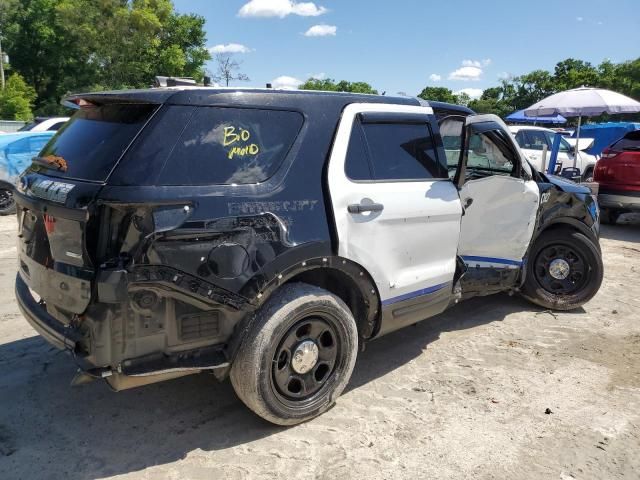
x,y
16,152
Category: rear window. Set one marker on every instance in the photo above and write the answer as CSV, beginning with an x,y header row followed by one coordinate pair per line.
x,y
91,143
631,141
210,146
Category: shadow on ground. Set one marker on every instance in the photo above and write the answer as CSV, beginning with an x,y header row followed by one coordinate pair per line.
x,y
51,430
627,229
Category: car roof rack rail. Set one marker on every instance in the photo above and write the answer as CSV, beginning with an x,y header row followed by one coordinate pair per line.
x,y
163,81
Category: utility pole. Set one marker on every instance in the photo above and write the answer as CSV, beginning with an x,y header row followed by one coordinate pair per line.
x,y
1,63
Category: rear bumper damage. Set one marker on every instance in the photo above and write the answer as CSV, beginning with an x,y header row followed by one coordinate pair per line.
x,y
56,333
104,344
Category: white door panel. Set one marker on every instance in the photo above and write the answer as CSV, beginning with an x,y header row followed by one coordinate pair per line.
x,y
499,224
409,247
501,212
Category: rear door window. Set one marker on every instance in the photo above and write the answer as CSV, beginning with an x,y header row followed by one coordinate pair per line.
x,y
402,151
91,143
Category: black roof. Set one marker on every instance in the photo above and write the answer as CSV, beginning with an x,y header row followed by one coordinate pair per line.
x,y
252,97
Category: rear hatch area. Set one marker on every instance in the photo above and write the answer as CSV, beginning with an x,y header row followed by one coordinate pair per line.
x,y
56,209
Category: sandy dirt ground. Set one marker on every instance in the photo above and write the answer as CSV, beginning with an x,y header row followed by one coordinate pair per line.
x,y
460,396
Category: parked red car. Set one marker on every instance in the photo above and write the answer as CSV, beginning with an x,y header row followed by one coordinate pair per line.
x,y
618,173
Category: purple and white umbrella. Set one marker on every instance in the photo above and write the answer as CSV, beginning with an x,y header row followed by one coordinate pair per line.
x,y
583,102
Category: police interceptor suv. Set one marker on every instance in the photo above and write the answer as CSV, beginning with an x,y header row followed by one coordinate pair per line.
x,y
264,235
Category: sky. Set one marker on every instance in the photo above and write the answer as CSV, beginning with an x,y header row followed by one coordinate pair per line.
x,y
404,45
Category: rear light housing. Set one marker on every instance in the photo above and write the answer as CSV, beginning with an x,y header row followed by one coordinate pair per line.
x,y
608,153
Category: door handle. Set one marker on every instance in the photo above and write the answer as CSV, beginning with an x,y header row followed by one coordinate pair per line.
x,y
365,207
467,202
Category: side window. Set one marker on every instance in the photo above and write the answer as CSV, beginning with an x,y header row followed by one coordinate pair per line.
x,y
490,153
536,139
564,145
211,146
521,139
357,163
402,151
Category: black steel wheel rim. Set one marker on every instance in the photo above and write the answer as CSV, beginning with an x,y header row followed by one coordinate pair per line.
x,y
6,199
292,386
555,279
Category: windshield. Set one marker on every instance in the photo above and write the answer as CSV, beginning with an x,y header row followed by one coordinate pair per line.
x,y
91,143
28,126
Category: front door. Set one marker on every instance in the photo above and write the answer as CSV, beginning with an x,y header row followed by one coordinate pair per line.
x,y
397,213
500,198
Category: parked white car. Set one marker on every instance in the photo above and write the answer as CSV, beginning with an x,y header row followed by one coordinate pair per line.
x,y
533,140
43,124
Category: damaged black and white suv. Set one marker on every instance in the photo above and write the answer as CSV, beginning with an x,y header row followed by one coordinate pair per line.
x,y
267,235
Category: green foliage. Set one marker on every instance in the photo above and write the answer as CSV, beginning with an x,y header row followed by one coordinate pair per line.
x,y
438,94
330,85
16,100
62,46
525,90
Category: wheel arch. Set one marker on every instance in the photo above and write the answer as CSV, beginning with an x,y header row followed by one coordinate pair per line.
x,y
7,185
568,223
346,279
359,294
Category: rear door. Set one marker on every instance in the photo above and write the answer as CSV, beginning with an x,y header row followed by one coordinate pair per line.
x,y
397,213
500,198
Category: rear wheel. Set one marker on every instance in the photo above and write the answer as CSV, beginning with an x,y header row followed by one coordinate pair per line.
x,y
7,202
298,357
564,270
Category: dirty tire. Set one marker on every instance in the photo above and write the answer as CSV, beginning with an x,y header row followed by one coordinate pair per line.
x,y
256,373
609,216
7,202
536,288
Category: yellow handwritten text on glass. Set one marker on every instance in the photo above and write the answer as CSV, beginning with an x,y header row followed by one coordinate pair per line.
x,y
233,136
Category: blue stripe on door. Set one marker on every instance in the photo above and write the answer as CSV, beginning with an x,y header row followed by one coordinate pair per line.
x,y
417,293
503,261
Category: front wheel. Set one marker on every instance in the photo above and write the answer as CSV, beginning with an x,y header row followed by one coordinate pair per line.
x,y
298,356
564,270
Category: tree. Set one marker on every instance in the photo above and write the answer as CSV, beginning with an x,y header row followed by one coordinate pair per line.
x,y
572,73
438,94
227,68
330,85
522,91
61,46
16,100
